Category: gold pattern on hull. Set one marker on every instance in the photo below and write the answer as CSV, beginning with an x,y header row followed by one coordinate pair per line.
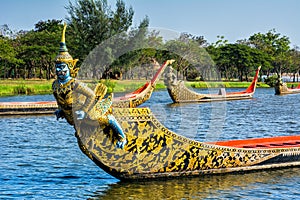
x,y
153,151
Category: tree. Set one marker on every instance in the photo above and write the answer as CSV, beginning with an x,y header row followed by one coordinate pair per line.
x,y
92,22
240,58
38,48
275,45
8,60
295,62
139,49
190,57
50,26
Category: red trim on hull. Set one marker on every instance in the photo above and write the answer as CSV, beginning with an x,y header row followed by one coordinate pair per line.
x,y
274,142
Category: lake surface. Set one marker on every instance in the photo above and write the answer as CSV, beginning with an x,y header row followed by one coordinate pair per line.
x,y
40,158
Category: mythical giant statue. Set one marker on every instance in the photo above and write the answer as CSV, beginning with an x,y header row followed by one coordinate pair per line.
x,y
76,101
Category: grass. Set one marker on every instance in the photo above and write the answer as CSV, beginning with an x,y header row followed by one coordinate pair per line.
x,y
24,87
17,87
129,85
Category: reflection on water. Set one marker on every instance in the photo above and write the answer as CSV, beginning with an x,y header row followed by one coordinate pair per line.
x,y
264,185
40,158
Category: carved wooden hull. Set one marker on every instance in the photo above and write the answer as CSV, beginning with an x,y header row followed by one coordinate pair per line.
x,y
153,151
179,93
27,108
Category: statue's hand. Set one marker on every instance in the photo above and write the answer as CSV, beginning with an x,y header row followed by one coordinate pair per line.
x,y
121,144
118,129
80,114
59,114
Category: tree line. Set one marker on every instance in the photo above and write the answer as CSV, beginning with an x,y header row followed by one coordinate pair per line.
x,y
109,46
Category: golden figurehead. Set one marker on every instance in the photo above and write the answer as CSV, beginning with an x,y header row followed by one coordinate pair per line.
x,y
76,100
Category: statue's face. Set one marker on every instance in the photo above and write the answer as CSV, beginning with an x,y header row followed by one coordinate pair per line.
x,y
62,71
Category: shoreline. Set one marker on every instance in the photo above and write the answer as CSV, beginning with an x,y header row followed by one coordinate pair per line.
x,y
37,87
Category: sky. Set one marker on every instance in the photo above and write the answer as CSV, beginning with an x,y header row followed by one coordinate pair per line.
x,y
233,19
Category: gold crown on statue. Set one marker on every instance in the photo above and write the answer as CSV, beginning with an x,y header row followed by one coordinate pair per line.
x,y
64,56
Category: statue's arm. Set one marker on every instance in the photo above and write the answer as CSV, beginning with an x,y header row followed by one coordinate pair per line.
x,y
88,93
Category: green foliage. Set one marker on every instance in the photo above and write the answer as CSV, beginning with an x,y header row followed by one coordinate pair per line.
x,y
238,58
31,54
110,85
20,87
23,89
190,57
8,53
271,80
50,26
92,22
275,45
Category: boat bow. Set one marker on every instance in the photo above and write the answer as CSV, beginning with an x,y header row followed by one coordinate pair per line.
x,y
143,93
282,88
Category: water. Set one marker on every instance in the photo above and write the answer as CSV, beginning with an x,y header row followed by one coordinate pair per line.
x,y
40,158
